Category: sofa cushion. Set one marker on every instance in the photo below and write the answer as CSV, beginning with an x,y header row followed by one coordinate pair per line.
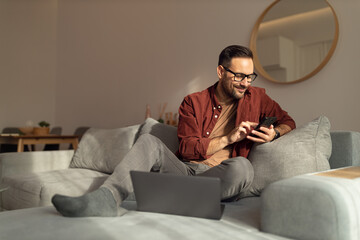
x,y
166,133
36,189
303,150
102,149
240,221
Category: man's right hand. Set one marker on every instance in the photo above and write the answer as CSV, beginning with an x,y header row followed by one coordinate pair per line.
x,y
240,132
236,135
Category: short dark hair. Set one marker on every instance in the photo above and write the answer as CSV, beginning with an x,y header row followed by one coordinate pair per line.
x,y
233,51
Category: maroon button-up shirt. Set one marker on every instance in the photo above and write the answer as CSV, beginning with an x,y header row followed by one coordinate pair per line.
x,y
197,119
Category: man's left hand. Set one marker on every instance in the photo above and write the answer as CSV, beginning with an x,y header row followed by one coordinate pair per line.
x,y
267,135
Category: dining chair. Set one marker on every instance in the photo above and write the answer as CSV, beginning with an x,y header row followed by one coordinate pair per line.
x,y
52,147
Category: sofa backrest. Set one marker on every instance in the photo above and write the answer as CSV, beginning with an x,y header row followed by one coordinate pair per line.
x,y
14,163
345,149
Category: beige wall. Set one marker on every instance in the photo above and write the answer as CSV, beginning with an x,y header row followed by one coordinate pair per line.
x,y
114,57
27,61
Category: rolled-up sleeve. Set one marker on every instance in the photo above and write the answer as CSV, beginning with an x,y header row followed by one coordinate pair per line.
x,y
193,145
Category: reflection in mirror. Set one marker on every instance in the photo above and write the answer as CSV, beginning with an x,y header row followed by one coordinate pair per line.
x,y
294,39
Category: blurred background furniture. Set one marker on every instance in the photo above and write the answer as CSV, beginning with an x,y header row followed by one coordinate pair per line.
x,y
51,147
22,140
12,147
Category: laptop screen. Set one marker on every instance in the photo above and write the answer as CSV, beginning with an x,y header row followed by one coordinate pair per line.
x,y
175,194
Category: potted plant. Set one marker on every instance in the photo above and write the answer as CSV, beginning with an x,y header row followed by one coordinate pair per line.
x,y
43,129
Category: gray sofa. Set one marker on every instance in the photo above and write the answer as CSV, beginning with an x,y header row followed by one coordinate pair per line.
x,y
286,201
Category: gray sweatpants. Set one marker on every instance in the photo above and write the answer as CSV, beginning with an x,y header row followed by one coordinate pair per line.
x,y
149,153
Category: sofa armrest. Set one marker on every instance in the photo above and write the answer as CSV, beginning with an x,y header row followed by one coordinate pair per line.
x,y
312,207
345,149
31,162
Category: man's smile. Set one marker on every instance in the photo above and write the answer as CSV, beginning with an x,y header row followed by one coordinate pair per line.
x,y
240,89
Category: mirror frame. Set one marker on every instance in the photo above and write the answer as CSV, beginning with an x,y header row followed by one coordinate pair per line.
x,y
260,68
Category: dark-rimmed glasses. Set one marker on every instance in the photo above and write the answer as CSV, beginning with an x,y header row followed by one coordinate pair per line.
x,y
238,77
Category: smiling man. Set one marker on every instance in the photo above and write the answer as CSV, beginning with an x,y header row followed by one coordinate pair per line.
x,y
215,124
216,133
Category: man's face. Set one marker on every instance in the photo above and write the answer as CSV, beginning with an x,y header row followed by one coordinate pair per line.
x,y
230,87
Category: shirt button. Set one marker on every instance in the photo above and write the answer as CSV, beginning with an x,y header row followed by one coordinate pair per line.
x,y
216,116
214,108
207,133
219,106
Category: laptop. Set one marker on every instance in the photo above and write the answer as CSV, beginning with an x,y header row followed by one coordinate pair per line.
x,y
192,196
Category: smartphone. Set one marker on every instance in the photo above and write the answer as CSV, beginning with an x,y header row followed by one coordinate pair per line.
x,y
265,122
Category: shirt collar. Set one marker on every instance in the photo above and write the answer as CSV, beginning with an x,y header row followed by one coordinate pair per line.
x,y
214,100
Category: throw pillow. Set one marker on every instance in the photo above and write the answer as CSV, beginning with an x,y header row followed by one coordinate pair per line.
x,y
102,149
166,133
304,150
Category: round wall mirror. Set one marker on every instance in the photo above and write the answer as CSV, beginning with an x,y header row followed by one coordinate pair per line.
x,y
293,39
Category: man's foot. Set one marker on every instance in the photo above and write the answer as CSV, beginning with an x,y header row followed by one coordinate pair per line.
x,y
98,203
